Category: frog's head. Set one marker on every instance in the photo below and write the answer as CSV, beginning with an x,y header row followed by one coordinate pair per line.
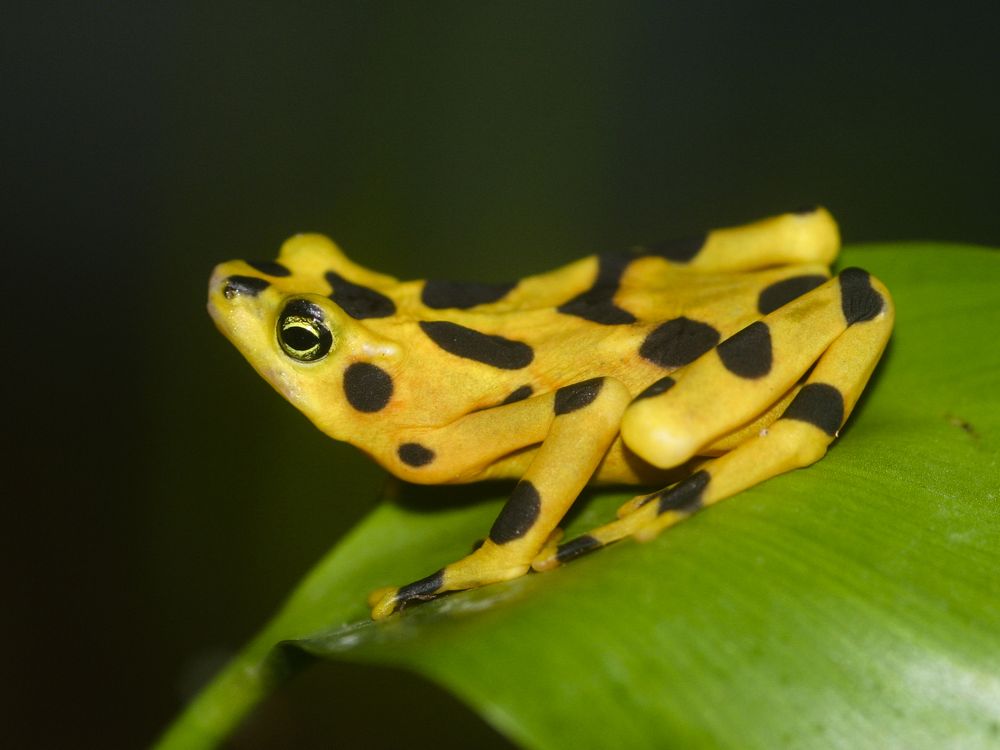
x,y
281,317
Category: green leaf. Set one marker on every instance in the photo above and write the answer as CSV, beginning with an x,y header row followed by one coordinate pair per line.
x,y
852,604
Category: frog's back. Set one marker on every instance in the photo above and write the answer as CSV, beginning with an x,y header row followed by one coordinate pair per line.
x,y
634,315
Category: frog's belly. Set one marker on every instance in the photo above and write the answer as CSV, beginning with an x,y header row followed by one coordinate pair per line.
x,y
620,466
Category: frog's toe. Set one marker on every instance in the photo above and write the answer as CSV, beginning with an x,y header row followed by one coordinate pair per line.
x,y
556,555
379,594
631,506
383,603
386,600
546,557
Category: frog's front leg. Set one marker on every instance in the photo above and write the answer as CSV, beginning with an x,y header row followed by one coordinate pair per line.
x,y
582,421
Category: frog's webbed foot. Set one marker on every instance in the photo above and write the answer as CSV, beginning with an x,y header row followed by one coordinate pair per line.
x,y
798,437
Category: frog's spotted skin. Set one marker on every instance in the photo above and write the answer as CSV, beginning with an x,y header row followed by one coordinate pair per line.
x,y
622,367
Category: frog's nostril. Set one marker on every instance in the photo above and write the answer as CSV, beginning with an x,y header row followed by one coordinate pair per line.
x,y
251,286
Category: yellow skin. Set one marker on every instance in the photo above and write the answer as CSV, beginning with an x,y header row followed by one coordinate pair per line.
x,y
449,383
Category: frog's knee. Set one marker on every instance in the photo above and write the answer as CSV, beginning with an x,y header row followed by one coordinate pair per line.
x,y
648,433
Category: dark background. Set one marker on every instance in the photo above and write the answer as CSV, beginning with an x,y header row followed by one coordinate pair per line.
x,y
160,499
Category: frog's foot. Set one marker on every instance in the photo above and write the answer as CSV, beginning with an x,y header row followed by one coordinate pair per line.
x,y
634,518
629,519
490,563
555,553
388,599
799,437
788,444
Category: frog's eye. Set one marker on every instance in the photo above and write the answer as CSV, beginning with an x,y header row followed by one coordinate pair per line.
x,y
302,331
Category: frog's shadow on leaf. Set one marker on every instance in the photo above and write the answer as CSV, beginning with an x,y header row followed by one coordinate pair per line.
x,y
419,498
430,499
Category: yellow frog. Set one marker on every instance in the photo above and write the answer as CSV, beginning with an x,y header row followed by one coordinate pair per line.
x,y
706,365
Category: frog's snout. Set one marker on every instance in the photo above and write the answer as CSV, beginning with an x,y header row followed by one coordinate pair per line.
x,y
228,293
227,285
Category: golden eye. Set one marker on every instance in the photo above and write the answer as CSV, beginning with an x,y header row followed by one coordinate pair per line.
x,y
302,332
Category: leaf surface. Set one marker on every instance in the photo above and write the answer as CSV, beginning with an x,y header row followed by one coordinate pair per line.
x,y
852,604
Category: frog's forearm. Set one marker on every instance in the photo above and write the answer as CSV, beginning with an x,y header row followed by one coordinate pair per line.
x,y
584,422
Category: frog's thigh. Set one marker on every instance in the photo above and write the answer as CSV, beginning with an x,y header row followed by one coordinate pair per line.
x,y
741,378
584,422
798,438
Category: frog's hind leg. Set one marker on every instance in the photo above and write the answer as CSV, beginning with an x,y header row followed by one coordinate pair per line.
x,y
798,438
809,236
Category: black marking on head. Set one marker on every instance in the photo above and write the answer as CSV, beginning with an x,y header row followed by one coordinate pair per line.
x,y
596,304
662,385
576,548
678,342
782,292
519,394
269,267
684,497
569,398
249,286
680,250
857,298
518,515
819,404
415,454
747,353
440,295
480,347
421,590
359,301
368,387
